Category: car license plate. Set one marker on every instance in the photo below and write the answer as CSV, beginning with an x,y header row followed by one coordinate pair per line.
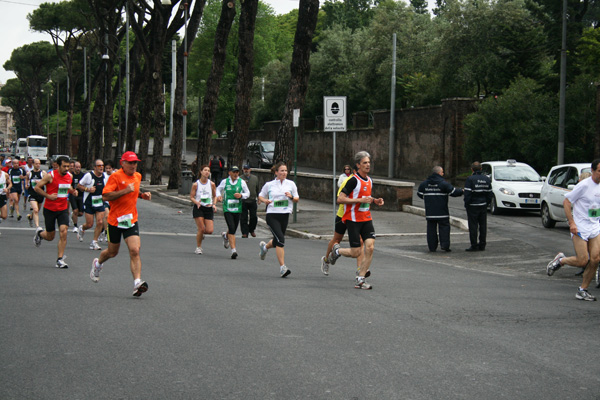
x,y
531,201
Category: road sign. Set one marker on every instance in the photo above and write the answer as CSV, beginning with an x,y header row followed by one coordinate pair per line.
x,y
334,112
296,117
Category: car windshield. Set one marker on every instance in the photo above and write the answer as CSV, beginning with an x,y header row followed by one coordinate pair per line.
x,y
268,147
516,174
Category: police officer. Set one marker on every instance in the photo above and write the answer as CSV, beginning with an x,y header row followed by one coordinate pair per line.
x,y
435,191
478,195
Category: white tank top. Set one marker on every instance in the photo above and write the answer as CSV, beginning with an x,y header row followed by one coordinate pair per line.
x,y
2,182
204,193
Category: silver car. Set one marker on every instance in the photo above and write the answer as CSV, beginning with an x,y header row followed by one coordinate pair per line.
x,y
561,180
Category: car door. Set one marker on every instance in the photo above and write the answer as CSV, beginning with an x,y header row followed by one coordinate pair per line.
x,y
556,192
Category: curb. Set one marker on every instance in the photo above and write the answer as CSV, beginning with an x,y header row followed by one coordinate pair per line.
x,y
454,221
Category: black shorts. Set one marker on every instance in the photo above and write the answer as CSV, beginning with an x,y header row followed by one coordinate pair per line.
x,y
278,224
2,200
203,212
358,230
76,202
51,218
114,232
18,189
339,226
37,198
233,220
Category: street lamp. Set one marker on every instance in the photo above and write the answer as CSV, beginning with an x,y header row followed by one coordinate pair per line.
x,y
184,112
57,116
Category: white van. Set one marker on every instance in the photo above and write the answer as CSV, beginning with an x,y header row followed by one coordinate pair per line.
x,y
21,149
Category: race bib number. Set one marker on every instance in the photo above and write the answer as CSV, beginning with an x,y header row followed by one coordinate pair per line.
x,y
281,203
124,221
16,179
2,186
205,201
33,183
97,201
594,212
364,207
233,205
63,190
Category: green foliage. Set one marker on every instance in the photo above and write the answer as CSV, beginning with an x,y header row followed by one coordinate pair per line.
x,y
521,124
587,54
351,14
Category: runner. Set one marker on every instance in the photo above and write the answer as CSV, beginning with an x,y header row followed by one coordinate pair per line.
x,y
279,196
35,200
76,201
108,170
28,167
356,198
231,192
92,185
203,195
122,191
5,185
582,209
17,176
338,235
57,186
249,219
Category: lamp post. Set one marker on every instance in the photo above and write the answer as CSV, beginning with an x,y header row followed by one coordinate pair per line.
x,y
57,116
184,112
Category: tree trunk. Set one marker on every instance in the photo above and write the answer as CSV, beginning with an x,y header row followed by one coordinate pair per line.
x,y
245,79
176,142
144,133
84,140
209,108
300,68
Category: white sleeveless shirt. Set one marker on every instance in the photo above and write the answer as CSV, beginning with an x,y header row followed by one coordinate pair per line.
x,y
204,193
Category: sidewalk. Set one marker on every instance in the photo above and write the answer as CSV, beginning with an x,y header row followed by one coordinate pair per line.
x,y
314,220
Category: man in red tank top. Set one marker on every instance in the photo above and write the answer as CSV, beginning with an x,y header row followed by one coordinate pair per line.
x,y
55,186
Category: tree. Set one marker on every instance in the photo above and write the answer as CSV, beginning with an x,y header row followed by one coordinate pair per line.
x,y
14,96
213,83
351,14
245,79
300,73
32,64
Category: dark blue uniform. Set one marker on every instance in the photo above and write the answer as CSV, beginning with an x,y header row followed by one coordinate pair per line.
x,y
478,195
435,191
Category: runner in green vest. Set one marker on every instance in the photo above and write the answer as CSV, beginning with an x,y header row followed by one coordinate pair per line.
x,y
231,191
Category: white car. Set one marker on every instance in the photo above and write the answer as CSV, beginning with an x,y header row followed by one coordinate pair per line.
x,y
561,180
515,185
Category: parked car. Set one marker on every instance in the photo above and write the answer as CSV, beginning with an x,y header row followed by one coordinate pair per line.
x,y
260,154
515,185
561,180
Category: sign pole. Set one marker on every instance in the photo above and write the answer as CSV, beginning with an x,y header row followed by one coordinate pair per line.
x,y
334,120
334,182
296,122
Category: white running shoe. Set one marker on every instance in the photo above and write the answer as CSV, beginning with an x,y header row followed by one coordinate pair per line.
x,y
554,265
225,240
263,250
60,263
75,229
95,246
324,266
285,271
37,239
80,233
102,237
95,272
140,288
198,250
334,255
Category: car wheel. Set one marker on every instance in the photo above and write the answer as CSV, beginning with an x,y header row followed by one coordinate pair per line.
x,y
494,207
547,220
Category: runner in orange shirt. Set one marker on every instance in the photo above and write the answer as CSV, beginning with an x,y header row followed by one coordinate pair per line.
x,y
122,192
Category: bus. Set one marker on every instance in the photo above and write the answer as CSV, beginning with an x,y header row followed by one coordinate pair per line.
x,y
37,147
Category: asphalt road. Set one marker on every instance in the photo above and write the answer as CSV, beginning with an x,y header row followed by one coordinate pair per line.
x,y
434,326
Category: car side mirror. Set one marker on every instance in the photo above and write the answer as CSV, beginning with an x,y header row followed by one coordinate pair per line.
x,y
544,178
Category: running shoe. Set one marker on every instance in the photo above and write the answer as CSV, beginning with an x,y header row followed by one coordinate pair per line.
x,y
324,266
75,230
102,237
80,233
198,250
368,274
95,272
361,283
285,271
60,263
234,255
263,250
12,211
37,239
334,255
554,265
582,294
225,240
140,288
30,219
95,246
19,217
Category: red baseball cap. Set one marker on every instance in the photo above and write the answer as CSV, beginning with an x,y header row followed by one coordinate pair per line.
x,y
129,156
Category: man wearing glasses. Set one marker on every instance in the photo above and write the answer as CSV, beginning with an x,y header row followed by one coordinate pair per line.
x,y
92,185
122,192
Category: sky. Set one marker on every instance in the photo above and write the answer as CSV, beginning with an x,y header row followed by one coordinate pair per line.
x,y
14,27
